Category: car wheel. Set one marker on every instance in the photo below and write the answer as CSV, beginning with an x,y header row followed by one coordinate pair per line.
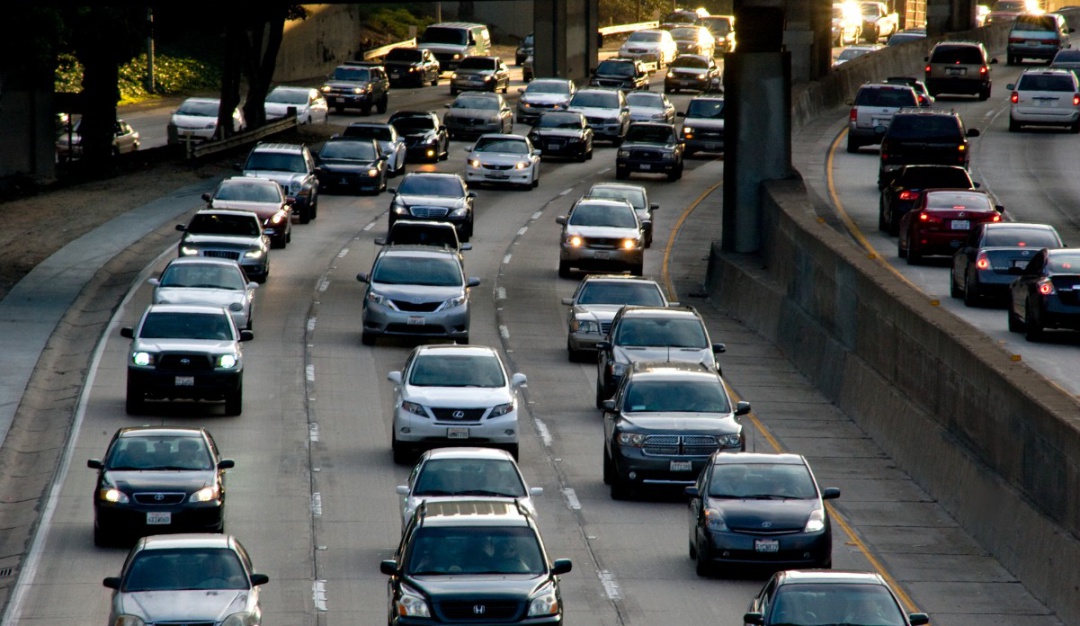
x,y
676,174
638,270
971,291
453,91
692,548
383,104
435,81
984,94
621,174
852,144
1075,127
702,567
901,251
278,242
103,538
305,215
913,257
589,154
564,269
365,110
1012,59
616,142
620,488
513,450
1033,328
690,153
401,453
954,289
367,339
1015,325
536,181
882,223
135,402
234,402
1013,125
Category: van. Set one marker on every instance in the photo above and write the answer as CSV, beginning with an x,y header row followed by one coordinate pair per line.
x,y
451,42
1037,37
959,67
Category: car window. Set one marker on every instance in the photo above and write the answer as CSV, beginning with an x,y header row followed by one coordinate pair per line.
x,y
248,192
436,34
354,150
159,452
505,146
408,270
658,332
929,128
709,109
560,120
442,186
477,63
965,55
595,99
381,133
718,26
957,201
835,604
351,74
198,108
224,224
848,54
276,161
474,550
871,9
205,276
645,100
288,96
185,568
642,36
1034,23
923,178
616,68
547,86
738,480
1023,238
177,325
1046,82
649,133
693,62
405,54
1067,263
603,215
476,102
493,477
635,196
886,98
631,292
412,123
676,396
1067,56
456,370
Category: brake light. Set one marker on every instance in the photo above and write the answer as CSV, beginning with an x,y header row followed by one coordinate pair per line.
x,y
982,262
927,70
984,69
854,115
1015,97
1076,99
996,218
1015,40
1046,287
909,195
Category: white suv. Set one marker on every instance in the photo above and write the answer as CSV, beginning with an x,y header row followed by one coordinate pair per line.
x,y
872,111
1045,97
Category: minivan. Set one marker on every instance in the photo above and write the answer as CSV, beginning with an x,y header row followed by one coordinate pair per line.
x,y
451,42
1037,37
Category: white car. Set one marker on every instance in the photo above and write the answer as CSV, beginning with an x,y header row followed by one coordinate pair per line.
x,y
646,106
125,139
1045,97
311,107
197,118
650,46
503,159
210,281
465,473
454,395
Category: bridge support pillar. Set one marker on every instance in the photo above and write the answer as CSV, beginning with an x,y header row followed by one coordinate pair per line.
x,y
565,33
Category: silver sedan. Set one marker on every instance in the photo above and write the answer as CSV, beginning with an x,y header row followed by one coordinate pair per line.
x,y
205,280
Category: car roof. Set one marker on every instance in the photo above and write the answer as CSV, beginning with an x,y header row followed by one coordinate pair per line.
x,y
203,260
277,147
468,453
674,370
502,136
453,175
616,186
653,311
654,124
613,202
418,251
1017,226
611,278
450,348
258,180
236,212
789,577
186,540
202,99
141,431
1051,71
740,458
186,308
293,88
472,512
375,124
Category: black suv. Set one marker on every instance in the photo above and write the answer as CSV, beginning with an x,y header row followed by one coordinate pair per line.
x,y
906,187
626,74
924,135
650,148
357,85
470,561
411,66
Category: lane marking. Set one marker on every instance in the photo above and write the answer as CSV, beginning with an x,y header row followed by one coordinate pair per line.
x,y
500,293
537,215
665,267
313,432
506,259
571,499
369,226
343,252
522,230
611,588
311,324
324,285
504,332
318,592
316,504
566,191
309,372
545,434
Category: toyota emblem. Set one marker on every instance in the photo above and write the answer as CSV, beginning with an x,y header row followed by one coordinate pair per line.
x,y
459,414
479,609
185,361
159,497
766,524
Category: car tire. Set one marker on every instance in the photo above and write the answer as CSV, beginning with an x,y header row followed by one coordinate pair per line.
x,y
616,142
954,290
535,182
670,90
984,94
1013,125
435,81
234,401
900,251
589,154
513,450
462,340
368,339
103,538
564,269
689,154
913,257
692,551
894,225
882,223
676,174
620,488
971,291
1074,128
638,270
621,174
1033,328
453,91
702,566
365,110
853,144
383,104
1015,325
1012,59
402,455
135,401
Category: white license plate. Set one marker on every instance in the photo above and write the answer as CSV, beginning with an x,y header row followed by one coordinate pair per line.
x,y
416,320
159,519
681,466
457,433
556,145
601,254
955,71
1043,102
498,176
1034,43
185,381
645,167
880,121
961,225
766,545
1021,263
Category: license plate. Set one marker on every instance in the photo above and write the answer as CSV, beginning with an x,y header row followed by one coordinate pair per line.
x,y
961,225
601,254
457,433
185,381
766,545
1034,43
556,145
395,74
713,146
681,466
1021,263
416,320
159,519
880,121
955,71
498,176
645,167
1044,102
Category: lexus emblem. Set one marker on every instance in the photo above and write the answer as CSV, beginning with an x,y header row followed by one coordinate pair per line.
x,y
459,415
185,361
766,524
479,609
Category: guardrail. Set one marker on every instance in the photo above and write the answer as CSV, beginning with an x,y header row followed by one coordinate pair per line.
x,y
198,150
627,28
381,51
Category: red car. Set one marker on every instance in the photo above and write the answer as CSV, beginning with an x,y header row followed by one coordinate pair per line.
x,y
939,223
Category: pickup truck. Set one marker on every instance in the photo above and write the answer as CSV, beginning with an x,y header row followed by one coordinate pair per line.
x,y
878,22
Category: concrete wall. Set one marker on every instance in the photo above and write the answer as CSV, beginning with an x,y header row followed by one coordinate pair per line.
x,y
992,440
311,48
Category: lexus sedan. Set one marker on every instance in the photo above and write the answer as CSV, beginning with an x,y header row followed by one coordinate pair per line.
x,y
436,196
829,597
210,281
1045,294
352,164
543,96
426,139
981,269
472,114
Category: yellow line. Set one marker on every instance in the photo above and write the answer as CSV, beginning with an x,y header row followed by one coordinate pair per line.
x,y
664,271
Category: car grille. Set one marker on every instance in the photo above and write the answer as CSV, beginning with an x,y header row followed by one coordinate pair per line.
x,y
599,120
222,254
418,307
186,362
159,498
646,155
467,122
498,168
602,242
467,415
679,445
415,329
541,105
608,82
444,57
429,212
481,610
709,134
605,327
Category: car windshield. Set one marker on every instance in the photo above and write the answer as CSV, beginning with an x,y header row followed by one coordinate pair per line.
x,y
623,292
469,477
548,86
645,100
276,161
1064,262
1035,22
176,569
482,103
436,34
650,133
198,108
835,603
680,17
616,68
925,127
393,269
224,224
1067,56
287,96
596,100
411,55
442,186
898,38
413,123
761,480
203,276
351,74
178,325
608,215
248,191
477,63
957,55
457,370
707,109
561,120
928,178
458,550
358,150
380,133
718,26
504,146
684,33
644,36
958,201
1021,238
1047,82
676,396
634,195
159,452
871,9
642,332
886,97
691,62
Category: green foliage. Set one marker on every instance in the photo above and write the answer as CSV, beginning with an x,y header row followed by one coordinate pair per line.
x,y
172,75
394,21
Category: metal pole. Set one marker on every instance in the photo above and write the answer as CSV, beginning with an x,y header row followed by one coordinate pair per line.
x,y
150,50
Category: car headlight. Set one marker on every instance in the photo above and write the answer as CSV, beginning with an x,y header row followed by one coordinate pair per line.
x,y
253,254
414,408
295,187
633,440
278,217
687,132
326,88
399,209
372,173
667,156
474,163
210,124
624,154
455,301
357,90
670,75
733,440
413,69
630,243
574,241
453,76
239,619
189,251
411,603
228,361
129,620
585,326
618,369
659,116
488,78
715,521
457,55
206,494
502,409
526,105
143,359
460,212
545,602
520,165
376,298
112,494
494,119
816,523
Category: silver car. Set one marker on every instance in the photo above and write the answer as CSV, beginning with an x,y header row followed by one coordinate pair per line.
x,y
472,114
596,301
543,95
636,195
197,578
390,142
196,120
214,282
601,235
416,290
646,106
228,234
606,110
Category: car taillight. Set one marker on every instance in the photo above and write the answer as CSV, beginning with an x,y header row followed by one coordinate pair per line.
x,y
982,262
1046,287
929,219
927,70
1014,98
1076,99
996,218
909,195
984,69
1015,40
854,115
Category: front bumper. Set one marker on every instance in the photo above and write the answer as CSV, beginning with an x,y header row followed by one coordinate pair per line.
x,y
412,429
473,129
346,99
795,550
131,519
422,152
511,176
638,468
465,83
582,341
351,180
381,319
583,257
562,147
683,82
647,167
604,129
169,384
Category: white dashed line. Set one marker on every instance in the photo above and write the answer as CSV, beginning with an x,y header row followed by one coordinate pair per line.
x,y
313,432
504,331
571,499
343,252
324,285
522,231
369,226
316,504
310,372
566,191
989,114
604,171
506,259
545,434
500,293
537,215
318,592
607,579
311,324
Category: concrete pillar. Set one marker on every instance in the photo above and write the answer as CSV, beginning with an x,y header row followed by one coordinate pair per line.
x,y
566,39
799,39
938,14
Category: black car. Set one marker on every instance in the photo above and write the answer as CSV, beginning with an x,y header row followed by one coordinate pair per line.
x,y
904,189
563,134
524,49
703,125
664,422
352,164
413,67
924,135
437,196
1045,293
626,74
425,136
357,85
981,268
754,508
816,596
470,561
158,479
693,71
650,148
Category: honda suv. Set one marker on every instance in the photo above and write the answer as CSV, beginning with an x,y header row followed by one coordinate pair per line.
x,y
471,561
924,135
872,111
959,67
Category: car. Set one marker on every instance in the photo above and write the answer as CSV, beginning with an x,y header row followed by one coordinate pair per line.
x,y
828,597
451,42
646,106
650,148
391,143
640,334
959,67
543,96
69,142
846,23
664,422
156,479
357,85
411,67
186,351
480,73
1044,293
694,40
1005,11
1045,97
460,473
527,71
872,110
190,578
196,119
228,234
292,166
605,110
980,269
503,159
310,105
925,99
650,46
703,125
1067,59
601,235
210,281
759,509
454,395
261,196
683,17
595,302
722,28
416,291
438,196
473,114
636,195
906,36
524,49
940,222
877,21
426,138
1037,36
854,52
696,72
352,163
618,73
924,135
465,558
563,134
907,186
414,233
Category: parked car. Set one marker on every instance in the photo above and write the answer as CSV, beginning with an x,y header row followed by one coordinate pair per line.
x,y
703,125
695,72
1044,293
196,119
595,302
877,21
352,163
293,167
543,96
391,143
438,196
872,110
828,597
563,134
605,110
310,105
414,67
650,148
358,85
473,114
426,138
228,234
959,67
480,73
503,159
646,106
650,46
940,222
636,195
1045,97
982,268
261,196
1037,36
619,73
907,186
69,144
210,281
601,235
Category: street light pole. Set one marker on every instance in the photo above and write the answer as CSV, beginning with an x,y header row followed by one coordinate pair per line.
x,y
150,50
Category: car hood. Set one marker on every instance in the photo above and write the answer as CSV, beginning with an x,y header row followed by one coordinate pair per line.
x,y
193,295
262,209
184,606
557,132
346,165
442,201
346,84
488,586
282,178
481,113
445,48
468,72
693,423
604,232
158,480
598,312
703,122
544,98
596,112
457,397
663,145
757,515
201,346
194,121
663,353
237,242
416,293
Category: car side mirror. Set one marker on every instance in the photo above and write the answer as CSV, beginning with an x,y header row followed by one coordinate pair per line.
x,y
394,377
237,167
977,185
127,331
973,132
181,227
380,241
112,582
999,208
753,618
225,464
609,406
680,114
918,619
849,102
402,490
536,491
471,194
247,335
568,301
465,246
654,207
521,90
830,493
927,59
538,152
446,106
519,379
561,566
474,281
153,281
691,491
94,463
742,407
993,61
259,579
603,345
719,348
363,277
561,220
1010,86
207,197
468,148
389,567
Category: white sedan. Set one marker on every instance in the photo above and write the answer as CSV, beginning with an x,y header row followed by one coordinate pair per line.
x,y
210,281
311,107
501,158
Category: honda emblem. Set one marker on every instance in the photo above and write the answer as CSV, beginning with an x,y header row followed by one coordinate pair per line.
x,y
479,609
